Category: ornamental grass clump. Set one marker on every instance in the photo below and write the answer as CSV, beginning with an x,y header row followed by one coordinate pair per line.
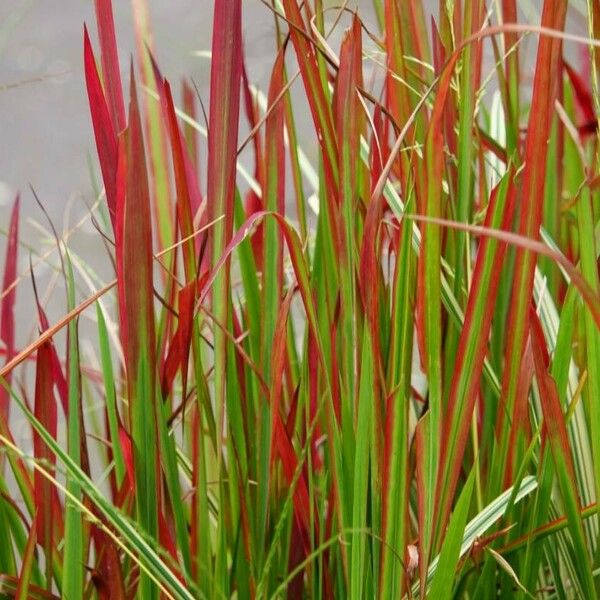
x,y
366,366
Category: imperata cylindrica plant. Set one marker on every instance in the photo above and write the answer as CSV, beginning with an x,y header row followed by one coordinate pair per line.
x,y
348,345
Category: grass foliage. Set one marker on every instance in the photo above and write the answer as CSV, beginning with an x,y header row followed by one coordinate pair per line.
x,y
375,374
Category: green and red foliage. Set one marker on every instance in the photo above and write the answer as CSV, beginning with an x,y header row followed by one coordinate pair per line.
x,y
374,376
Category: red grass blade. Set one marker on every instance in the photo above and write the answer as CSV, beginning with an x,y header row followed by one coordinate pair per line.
x,y
511,38
136,288
57,373
107,577
520,430
104,131
395,45
582,92
585,102
556,431
136,246
178,355
156,134
225,79
554,420
281,443
45,412
27,564
466,380
316,94
189,198
588,295
127,449
274,200
186,186
545,87
110,62
7,302
423,497
189,132
252,114
226,72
